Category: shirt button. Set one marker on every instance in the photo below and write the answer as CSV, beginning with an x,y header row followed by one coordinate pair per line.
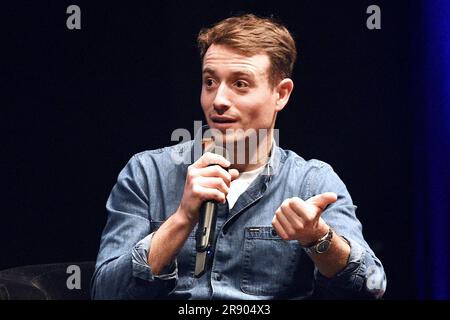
x,y
218,276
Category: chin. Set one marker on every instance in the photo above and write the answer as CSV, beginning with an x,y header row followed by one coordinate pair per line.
x,y
229,139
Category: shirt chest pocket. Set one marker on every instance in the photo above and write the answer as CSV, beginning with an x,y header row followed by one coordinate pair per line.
x,y
269,262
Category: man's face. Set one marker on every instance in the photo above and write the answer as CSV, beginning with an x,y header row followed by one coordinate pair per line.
x,y
236,93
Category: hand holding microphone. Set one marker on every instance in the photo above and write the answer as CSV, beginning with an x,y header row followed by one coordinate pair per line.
x,y
207,183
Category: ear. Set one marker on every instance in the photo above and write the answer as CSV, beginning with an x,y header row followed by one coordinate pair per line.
x,y
283,91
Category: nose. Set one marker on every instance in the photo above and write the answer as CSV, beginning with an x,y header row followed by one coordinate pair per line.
x,y
221,101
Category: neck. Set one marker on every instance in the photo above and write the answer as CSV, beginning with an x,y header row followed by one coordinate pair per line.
x,y
253,156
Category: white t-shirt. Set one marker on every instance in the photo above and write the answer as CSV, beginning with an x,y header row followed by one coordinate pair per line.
x,y
239,185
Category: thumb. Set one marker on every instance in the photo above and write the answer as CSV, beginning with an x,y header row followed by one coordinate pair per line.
x,y
234,174
323,200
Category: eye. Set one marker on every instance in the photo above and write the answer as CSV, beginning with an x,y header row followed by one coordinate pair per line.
x,y
209,82
240,84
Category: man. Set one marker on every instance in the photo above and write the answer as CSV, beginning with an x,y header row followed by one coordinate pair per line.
x,y
286,227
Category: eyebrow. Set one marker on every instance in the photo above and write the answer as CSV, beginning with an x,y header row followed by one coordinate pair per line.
x,y
234,73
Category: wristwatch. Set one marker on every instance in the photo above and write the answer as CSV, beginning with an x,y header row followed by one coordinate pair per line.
x,y
322,245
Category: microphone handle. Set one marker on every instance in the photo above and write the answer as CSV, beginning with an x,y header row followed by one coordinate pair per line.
x,y
206,225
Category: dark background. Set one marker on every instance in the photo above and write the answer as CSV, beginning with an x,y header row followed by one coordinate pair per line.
x,y
78,104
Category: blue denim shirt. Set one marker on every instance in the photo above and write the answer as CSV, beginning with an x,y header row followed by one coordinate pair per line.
x,y
250,260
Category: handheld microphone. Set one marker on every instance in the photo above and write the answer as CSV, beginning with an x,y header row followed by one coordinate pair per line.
x,y
206,223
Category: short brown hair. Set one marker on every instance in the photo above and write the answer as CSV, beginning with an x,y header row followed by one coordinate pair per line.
x,y
250,35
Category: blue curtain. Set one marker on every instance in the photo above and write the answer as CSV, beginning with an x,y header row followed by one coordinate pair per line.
x,y
432,150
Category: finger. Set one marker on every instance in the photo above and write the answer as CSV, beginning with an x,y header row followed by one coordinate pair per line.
x,y
293,217
213,183
234,174
215,171
211,158
302,209
209,194
284,223
279,229
323,200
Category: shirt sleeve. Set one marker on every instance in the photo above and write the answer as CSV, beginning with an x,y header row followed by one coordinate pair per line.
x,y
121,271
142,270
364,276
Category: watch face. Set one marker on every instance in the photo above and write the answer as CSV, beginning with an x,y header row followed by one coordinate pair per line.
x,y
323,246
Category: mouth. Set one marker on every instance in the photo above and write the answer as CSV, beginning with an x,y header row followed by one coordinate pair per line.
x,y
222,121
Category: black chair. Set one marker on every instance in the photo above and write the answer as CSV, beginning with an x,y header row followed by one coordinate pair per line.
x,y
47,282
